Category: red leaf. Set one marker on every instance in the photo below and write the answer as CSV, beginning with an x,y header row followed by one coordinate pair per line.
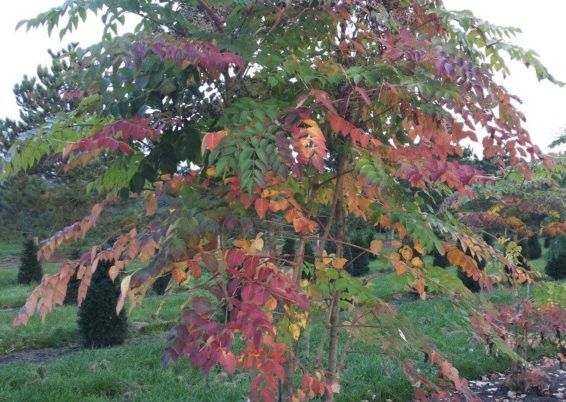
x,y
261,207
211,140
228,361
364,95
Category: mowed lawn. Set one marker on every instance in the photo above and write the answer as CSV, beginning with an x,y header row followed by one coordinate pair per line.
x,y
133,372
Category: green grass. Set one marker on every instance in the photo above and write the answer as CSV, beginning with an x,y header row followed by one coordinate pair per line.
x,y
10,249
12,296
128,373
154,316
9,276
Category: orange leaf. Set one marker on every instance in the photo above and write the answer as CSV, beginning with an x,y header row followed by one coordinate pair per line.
x,y
339,263
124,287
376,246
261,207
396,244
195,269
276,206
211,171
400,267
151,204
178,275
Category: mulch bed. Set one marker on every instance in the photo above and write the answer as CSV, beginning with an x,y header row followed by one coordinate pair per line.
x,y
493,388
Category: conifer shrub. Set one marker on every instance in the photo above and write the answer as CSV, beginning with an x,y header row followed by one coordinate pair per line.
x,y
359,265
309,258
530,248
556,258
469,282
99,325
30,268
161,283
74,282
288,250
546,243
439,260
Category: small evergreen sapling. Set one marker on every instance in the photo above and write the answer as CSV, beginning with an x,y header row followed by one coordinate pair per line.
x,y
556,258
288,250
359,265
74,282
531,249
161,283
30,267
99,325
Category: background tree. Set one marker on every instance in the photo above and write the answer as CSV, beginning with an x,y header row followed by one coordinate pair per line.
x,y
30,267
99,324
74,282
39,98
556,258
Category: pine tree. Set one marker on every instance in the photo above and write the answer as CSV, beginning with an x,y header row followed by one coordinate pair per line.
x,y
161,283
439,260
534,248
556,258
74,282
38,99
469,282
310,259
530,250
359,265
30,267
99,325
288,251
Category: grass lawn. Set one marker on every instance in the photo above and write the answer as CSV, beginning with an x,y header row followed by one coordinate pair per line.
x,y
127,373
154,316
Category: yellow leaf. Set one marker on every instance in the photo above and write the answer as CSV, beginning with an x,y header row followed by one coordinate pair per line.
x,y
418,246
242,243
314,290
295,331
407,253
417,262
339,263
376,246
211,171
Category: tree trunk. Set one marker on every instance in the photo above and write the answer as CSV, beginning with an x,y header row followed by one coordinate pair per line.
x,y
334,316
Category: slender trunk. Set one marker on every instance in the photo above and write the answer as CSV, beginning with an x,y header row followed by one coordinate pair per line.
x,y
286,388
271,245
334,316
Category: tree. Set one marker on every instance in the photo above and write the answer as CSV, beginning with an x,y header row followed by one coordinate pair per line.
x,y
42,198
359,260
99,324
282,110
556,258
39,98
531,247
161,283
30,268
74,282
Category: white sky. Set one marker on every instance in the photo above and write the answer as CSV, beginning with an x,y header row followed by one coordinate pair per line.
x,y
542,23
